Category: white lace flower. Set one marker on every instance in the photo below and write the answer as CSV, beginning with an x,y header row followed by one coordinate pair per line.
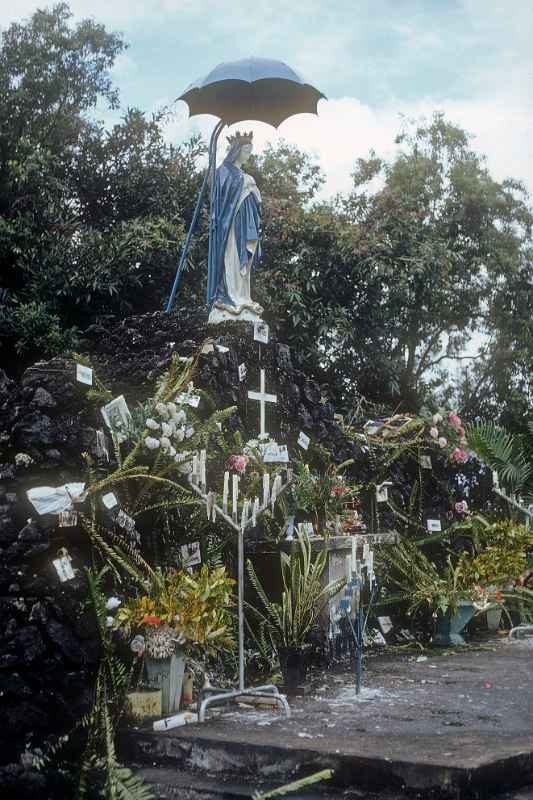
x,y
152,424
165,443
109,622
179,435
151,443
179,417
171,408
189,431
112,603
172,451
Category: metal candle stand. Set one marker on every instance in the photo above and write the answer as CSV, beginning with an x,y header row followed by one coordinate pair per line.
x,y
358,627
270,691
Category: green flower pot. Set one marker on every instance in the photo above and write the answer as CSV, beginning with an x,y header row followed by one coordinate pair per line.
x,y
450,625
167,674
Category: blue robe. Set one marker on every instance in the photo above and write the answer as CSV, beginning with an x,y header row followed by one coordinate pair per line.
x,y
229,181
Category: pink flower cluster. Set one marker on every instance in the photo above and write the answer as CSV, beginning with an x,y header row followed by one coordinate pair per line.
x,y
238,463
338,491
459,454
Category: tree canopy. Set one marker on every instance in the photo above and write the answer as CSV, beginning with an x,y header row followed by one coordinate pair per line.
x,y
379,291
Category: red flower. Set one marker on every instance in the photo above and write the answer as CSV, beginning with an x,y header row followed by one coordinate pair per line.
x,y
151,619
338,491
498,595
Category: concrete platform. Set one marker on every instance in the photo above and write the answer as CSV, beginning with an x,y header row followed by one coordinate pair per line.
x,y
458,724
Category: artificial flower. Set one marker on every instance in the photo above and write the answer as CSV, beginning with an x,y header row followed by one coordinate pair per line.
x,y
461,507
434,433
238,463
459,455
151,443
454,419
165,443
437,418
138,645
152,424
112,603
109,622
443,441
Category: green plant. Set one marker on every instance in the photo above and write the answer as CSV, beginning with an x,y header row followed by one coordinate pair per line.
x,y
502,558
322,494
289,623
419,582
99,762
509,454
196,608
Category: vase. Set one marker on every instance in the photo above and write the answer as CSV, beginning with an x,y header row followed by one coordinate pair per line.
x,y
494,616
450,625
167,674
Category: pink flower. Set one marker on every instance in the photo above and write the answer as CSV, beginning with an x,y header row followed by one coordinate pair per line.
x,y
434,433
454,419
442,441
461,431
437,418
461,507
238,463
459,456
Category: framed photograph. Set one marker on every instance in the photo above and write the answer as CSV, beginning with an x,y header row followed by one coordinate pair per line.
x,y
261,331
303,440
190,555
242,372
117,417
84,374
434,525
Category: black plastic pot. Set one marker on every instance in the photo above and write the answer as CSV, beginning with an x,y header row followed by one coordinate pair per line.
x,y
293,663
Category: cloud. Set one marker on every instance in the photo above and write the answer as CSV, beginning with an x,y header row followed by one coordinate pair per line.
x,y
347,129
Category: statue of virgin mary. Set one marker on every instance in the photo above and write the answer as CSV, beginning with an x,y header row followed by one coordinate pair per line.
x,y
235,234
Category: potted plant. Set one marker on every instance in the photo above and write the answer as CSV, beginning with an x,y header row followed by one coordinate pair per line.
x,y
447,592
180,614
288,625
321,496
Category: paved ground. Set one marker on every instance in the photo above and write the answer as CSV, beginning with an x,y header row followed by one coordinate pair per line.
x,y
459,723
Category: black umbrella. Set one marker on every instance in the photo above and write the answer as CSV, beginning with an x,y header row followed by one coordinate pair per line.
x,y
250,89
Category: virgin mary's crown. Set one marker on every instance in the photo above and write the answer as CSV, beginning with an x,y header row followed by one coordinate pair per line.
x,y
241,138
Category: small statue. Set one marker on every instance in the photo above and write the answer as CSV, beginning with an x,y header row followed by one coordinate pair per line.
x,y
234,245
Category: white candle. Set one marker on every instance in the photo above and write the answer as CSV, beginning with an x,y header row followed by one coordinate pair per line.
x,y
266,488
348,567
366,550
235,496
203,481
255,509
276,486
243,515
195,468
370,566
353,553
225,493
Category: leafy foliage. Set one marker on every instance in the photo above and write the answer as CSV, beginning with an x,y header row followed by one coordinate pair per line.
x,y
289,624
508,454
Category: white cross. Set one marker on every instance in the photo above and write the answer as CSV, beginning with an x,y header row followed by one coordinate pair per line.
x,y
263,398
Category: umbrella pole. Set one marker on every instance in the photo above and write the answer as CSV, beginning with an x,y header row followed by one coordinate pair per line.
x,y
194,221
